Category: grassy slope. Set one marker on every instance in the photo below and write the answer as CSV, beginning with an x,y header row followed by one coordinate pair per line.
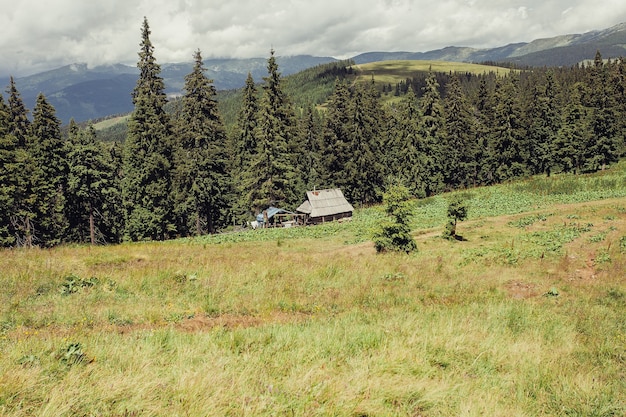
x,y
395,71
523,318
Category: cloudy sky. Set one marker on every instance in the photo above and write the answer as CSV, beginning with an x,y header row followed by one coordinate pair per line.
x,y
42,34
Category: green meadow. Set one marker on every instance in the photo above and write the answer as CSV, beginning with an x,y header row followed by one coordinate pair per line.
x,y
525,316
393,72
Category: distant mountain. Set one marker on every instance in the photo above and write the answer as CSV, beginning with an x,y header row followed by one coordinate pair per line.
x,y
91,93
565,50
83,93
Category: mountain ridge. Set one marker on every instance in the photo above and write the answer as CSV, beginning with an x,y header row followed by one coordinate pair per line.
x,y
83,93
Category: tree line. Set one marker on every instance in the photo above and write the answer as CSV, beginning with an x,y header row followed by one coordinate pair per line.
x,y
181,171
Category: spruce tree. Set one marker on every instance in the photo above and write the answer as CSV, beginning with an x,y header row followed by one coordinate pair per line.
x,y
147,190
336,138
90,183
606,141
364,168
275,182
19,124
402,156
244,151
8,177
459,146
509,151
201,180
543,120
49,153
433,134
573,136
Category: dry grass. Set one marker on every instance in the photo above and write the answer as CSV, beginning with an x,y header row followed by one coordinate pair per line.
x,y
503,323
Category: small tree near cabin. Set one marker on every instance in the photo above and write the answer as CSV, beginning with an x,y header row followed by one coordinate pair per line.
x,y
394,234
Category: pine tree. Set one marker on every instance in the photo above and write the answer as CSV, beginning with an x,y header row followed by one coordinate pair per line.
x,y
310,128
243,152
147,190
49,153
544,122
508,149
402,156
433,134
275,182
8,177
573,136
201,181
394,234
460,140
336,138
19,124
606,138
364,168
90,183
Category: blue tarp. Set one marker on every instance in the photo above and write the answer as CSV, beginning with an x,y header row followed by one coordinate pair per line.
x,y
271,212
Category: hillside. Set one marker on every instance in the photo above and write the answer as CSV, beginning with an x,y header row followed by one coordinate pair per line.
x,y
525,316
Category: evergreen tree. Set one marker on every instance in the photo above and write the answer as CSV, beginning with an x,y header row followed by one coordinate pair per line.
x,y
8,177
402,156
573,136
336,137
244,151
19,125
508,150
91,183
433,136
201,181
275,182
147,190
544,122
394,234
484,156
50,185
310,135
364,168
460,140
606,138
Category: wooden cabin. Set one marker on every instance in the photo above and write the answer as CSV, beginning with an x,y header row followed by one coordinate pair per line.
x,y
325,206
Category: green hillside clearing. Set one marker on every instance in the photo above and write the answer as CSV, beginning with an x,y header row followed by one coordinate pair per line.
x,y
523,317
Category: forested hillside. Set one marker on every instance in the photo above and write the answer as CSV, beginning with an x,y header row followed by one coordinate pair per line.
x,y
196,166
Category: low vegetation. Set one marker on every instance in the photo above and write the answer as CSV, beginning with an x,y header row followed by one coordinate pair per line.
x,y
524,317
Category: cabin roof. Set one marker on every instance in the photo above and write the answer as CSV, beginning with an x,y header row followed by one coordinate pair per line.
x,y
322,203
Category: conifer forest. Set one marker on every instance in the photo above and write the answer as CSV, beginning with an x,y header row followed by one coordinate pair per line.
x,y
183,169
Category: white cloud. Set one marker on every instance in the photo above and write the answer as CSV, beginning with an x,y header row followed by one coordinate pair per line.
x,y
39,35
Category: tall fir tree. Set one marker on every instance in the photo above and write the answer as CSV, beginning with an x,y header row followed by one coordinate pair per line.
x,y
508,149
543,120
8,177
91,183
244,151
276,182
459,146
402,156
433,135
310,128
147,184
336,137
364,168
605,145
573,136
49,152
202,184
19,124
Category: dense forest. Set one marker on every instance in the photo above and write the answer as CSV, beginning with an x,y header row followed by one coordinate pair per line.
x,y
197,166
